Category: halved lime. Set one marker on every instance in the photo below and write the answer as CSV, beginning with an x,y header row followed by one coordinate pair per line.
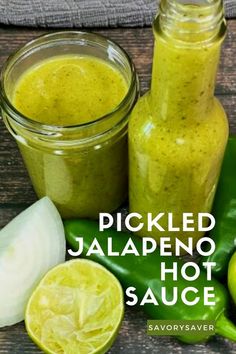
x,y
76,309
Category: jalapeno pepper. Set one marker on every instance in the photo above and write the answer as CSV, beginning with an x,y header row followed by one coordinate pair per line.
x,y
143,272
224,211
232,277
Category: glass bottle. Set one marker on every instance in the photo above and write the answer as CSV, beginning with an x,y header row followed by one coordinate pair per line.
x,y
178,130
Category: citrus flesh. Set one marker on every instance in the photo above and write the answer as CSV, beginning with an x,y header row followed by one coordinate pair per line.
x,y
77,308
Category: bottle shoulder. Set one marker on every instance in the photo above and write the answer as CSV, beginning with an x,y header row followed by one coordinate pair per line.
x,y
148,130
144,113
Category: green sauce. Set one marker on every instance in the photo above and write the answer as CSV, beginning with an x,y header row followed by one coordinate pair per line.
x,y
177,135
66,91
69,90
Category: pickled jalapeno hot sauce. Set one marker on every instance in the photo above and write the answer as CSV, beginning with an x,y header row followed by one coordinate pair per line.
x,y
178,131
67,91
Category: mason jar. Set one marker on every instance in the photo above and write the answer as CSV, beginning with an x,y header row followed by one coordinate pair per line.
x,y
82,168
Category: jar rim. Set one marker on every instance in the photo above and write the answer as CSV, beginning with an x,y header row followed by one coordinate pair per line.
x,y
29,122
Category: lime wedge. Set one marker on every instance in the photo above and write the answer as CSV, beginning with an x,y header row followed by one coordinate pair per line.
x,y
76,309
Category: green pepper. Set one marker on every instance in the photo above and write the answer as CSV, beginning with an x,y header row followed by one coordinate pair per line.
x,y
143,272
224,211
232,277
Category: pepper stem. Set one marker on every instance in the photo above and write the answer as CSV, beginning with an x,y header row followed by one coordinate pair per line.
x,y
225,327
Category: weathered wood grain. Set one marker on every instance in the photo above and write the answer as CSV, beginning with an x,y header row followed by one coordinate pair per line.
x,y
138,43
131,340
16,192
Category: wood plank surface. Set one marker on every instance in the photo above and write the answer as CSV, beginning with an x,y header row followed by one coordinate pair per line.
x,y
16,192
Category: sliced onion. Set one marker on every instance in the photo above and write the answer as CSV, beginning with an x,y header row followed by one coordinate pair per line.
x,y
30,245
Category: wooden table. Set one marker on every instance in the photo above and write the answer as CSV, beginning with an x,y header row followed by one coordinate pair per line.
x,y
16,192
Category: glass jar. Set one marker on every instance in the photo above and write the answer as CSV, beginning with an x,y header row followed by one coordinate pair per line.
x,y
82,168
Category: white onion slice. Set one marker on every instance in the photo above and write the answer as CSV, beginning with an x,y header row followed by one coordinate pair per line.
x,y
30,245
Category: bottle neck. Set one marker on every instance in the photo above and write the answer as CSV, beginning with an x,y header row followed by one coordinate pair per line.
x,y
188,38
